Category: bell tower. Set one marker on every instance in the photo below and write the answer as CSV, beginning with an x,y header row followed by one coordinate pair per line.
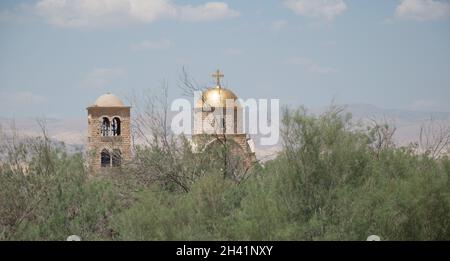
x,y
109,133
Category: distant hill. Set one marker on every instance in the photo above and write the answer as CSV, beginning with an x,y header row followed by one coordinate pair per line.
x,y
407,122
73,131
70,131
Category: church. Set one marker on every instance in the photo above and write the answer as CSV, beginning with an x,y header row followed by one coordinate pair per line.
x,y
217,121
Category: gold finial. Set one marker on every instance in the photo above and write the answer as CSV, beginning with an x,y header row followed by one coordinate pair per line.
x,y
218,75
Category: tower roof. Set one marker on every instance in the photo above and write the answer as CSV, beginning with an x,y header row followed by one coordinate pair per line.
x,y
108,100
217,96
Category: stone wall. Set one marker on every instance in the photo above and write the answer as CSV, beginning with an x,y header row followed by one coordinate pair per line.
x,y
202,140
97,142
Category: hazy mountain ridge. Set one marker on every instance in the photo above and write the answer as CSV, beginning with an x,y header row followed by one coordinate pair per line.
x,y
72,131
408,123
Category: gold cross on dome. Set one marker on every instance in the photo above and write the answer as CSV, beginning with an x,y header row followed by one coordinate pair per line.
x,y
218,75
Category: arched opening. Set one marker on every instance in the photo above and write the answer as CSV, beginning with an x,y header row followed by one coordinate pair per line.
x,y
105,127
226,155
105,159
116,158
116,126
219,123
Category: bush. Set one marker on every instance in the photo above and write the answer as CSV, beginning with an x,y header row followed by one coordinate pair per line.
x,y
46,194
333,180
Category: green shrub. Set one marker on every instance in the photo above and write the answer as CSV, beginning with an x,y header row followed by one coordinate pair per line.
x,y
332,181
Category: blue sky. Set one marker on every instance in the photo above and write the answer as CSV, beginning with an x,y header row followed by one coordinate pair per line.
x,y
57,56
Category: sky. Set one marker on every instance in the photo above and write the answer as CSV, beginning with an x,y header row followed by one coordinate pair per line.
x,y
57,56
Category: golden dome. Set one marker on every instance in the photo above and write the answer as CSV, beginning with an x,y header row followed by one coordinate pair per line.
x,y
217,97
108,100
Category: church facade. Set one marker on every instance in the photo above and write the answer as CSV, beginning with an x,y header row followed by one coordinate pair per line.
x,y
217,119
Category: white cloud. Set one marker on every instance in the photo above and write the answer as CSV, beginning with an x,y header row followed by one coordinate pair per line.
x,y
100,77
278,25
149,11
207,12
80,13
311,66
327,10
422,10
152,45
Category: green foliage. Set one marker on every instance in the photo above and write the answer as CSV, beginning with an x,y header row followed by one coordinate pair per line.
x,y
47,196
332,181
202,214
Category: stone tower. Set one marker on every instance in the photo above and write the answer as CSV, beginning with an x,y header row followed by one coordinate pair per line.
x,y
109,134
218,117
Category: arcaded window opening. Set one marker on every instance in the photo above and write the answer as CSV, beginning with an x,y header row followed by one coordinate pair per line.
x,y
116,126
105,159
105,127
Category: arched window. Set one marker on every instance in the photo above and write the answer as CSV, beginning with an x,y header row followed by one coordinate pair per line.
x,y
105,159
116,127
105,127
116,158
